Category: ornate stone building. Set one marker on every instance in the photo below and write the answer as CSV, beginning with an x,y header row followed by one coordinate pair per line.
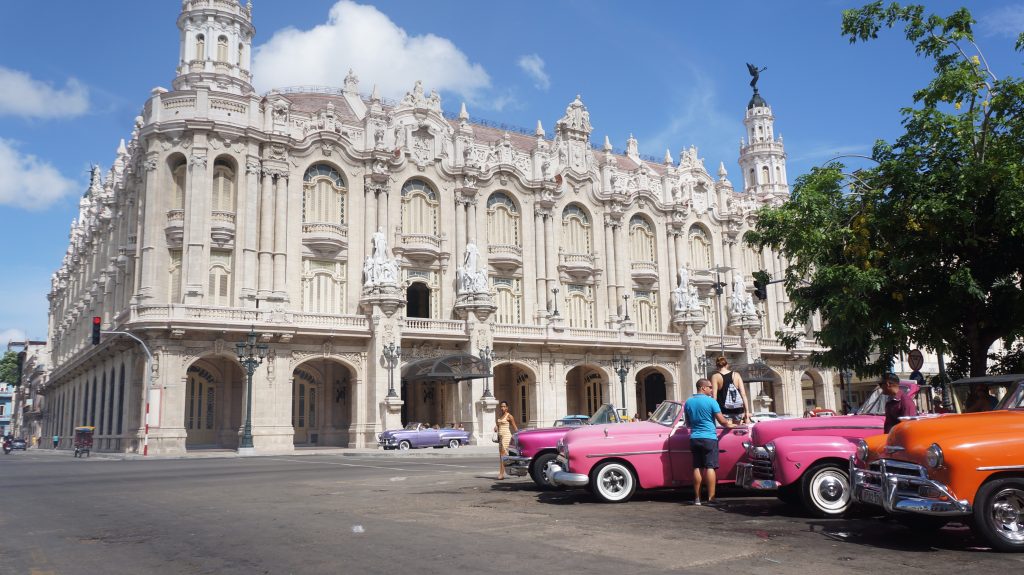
x,y
339,226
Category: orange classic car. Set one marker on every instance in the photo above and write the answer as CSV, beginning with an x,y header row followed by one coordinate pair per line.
x,y
934,469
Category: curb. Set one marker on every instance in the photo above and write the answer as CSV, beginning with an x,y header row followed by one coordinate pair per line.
x,y
460,453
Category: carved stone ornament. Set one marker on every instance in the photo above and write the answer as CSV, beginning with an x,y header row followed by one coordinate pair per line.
x,y
253,166
151,162
197,161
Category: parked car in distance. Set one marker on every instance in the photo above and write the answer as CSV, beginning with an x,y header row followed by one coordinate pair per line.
x,y
532,449
572,421
19,443
613,461
805,461
416,435
969,466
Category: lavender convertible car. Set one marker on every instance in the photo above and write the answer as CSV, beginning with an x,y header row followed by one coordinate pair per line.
x,y
418,435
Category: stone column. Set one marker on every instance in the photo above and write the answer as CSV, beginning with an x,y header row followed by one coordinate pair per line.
x,y
622,261
460,229
382,200
246,234
472,229
281,236
673,261
266,236
197,218
538,259
610,275
681,252
551,258
155,221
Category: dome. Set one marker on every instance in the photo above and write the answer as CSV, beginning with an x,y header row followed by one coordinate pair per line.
x,y
757,101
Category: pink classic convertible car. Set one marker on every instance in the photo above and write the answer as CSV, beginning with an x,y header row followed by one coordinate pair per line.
x,y
612,461
806,461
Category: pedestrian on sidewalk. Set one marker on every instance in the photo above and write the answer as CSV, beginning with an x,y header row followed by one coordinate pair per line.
x,y
504,426
56,440
701,412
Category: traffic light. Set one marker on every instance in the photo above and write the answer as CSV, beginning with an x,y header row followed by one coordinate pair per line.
x,y
96,322
760,289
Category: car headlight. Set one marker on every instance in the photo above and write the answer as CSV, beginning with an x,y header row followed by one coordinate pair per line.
x,y
933,456
862,450
770,448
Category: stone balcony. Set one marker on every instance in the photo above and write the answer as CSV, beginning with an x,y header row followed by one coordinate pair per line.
x,y
577,265
423,246
175,228
505,256
222,227
644,272
323,237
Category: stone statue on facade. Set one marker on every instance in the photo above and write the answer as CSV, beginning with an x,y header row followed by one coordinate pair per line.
x,y
379,269
693,299
748,307
739,290
755,75
380,245
469,278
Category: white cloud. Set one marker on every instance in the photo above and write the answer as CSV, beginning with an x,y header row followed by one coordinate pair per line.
x,y
12,334
533,65
379,51
20,95
1005,21
29,182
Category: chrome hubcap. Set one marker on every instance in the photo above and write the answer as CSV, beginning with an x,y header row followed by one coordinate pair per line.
x,y
1008,514
615,482
830,491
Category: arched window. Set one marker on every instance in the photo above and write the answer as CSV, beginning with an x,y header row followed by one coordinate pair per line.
x,y
502,220
223,197
700,249
646,310
323,286
509,298
178,175
241,54
220,278
419,208
765,175
580,303
778,175
641,240
753,177
200,47
222,49
323,195
576,238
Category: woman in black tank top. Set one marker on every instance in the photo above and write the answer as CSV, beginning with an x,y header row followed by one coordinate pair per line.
x,y
729,392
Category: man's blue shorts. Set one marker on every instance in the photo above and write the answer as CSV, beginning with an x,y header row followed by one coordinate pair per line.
x,y
705,453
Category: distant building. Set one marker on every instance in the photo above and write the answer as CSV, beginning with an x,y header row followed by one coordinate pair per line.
x,y
6,407
339,226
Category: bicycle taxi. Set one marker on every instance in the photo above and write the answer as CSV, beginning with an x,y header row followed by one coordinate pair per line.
x,y
83,440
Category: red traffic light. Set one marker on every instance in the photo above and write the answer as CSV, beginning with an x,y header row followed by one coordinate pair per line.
x,y
96,322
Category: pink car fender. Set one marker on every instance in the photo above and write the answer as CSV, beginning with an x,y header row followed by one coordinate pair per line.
x,y
795,454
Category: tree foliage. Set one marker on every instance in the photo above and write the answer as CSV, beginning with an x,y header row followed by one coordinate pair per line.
x,y
926,246
9,368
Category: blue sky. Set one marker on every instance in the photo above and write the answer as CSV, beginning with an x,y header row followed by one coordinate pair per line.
x,y
671,73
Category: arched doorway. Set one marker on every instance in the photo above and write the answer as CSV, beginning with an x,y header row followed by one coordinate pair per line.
x,y
322,403
812,390
586,388
435,390
417,300
651,390
515,384
213,403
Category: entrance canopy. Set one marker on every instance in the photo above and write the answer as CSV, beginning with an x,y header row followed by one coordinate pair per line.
x,y
449,368
756,372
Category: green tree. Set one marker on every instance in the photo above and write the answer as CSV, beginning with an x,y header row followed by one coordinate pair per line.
x,y
926,245
9,368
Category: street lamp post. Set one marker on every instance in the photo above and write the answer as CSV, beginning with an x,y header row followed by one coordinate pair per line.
x,y
392,353
554,301
625,306
250,355
622,366
487,354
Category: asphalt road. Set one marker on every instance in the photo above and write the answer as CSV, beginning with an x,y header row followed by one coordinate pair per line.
x,y
397,515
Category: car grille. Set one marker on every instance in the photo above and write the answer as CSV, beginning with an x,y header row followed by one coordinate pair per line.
x,y
762,469
896,468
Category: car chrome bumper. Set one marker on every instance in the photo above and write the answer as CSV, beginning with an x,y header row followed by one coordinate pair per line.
x,y
558,476
516,465
386,443
745,479
902,492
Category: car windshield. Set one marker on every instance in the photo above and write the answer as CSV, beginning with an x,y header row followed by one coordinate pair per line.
x,y
604,414
412,426
875,403
1014,399
667,413
978,397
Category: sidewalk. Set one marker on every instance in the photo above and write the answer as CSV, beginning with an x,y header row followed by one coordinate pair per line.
x,y
489,450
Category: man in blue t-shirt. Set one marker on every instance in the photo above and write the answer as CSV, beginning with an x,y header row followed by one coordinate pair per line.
x,y
701,412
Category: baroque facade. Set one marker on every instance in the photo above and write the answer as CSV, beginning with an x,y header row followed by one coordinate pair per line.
x,y
339,226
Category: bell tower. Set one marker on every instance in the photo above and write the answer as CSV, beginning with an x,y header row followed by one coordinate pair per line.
x,y
215,46
762,155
